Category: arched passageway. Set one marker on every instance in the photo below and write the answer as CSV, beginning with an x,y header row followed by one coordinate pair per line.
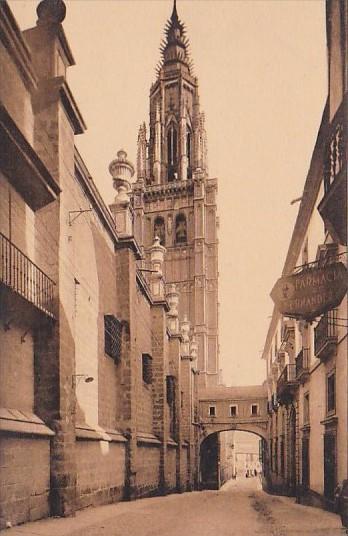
x,y
231,454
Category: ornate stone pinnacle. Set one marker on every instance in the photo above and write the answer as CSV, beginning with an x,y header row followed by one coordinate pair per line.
x,y
121,168
173,300
121,171
157,255
51,12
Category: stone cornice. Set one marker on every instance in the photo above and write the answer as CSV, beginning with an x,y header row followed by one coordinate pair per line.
x,y
88,185
24,168
130,243
53,89
65,45
71,109
12,39
160,302
176,188
172,335
144,287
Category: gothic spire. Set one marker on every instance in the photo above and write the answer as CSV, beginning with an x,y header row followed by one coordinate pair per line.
x,y
175,45
174,13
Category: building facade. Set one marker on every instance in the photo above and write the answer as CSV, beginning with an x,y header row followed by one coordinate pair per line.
x,y
98,358
307,358
174,197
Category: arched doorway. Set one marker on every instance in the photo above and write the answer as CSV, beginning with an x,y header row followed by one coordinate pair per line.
x,y
231,454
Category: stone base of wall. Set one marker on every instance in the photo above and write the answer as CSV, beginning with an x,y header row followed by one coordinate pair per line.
x,y
309,497
24,479
100,472
184,469
148,464
277,485
170,477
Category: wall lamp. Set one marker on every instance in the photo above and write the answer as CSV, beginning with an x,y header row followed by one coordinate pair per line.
x,y
76,378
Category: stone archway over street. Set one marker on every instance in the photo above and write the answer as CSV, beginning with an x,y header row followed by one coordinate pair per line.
x,y
233,408
223,409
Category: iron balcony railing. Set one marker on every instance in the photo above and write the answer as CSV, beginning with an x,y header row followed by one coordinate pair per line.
x,y
21,275
333,206
325,332
335,157
287,376
302,362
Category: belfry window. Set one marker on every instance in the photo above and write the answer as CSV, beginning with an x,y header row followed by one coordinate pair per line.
x,y
189,153
180,229
172,152
159,229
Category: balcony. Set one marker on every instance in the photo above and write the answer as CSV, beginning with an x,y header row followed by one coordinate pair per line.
x,y
302,365
333,206
325,336
287,384
22,276
272,405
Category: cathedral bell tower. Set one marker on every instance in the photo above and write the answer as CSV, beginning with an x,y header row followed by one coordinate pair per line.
x,y
174,198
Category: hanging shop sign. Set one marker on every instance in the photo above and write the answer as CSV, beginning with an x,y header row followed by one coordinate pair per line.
x,y
311,292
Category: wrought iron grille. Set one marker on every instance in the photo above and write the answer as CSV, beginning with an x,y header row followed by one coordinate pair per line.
x,y
335,159
21,275
302,361
288,374
325,330
113,336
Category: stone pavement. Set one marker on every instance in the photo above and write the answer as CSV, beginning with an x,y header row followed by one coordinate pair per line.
x,y
239,509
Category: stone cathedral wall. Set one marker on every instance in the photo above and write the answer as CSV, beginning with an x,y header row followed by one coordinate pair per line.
x,y
94,431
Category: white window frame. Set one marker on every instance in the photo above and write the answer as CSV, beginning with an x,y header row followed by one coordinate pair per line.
x,y
212,406
257,410
234,406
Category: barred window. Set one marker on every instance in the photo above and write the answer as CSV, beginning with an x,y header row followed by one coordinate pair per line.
x,y
112,336
147,368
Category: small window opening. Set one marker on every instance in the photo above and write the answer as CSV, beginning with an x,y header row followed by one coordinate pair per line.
x,y
147,368
112,336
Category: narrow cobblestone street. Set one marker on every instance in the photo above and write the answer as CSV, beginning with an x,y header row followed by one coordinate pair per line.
x,y
239,509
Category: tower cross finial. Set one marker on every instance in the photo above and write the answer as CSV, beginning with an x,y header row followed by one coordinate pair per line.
x,y
175,13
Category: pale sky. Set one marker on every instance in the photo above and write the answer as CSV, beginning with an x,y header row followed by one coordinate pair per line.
x,y
261,66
